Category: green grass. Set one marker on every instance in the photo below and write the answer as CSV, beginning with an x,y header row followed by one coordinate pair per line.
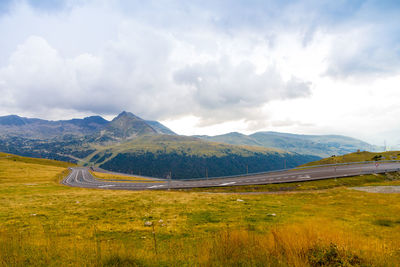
x,y
43,223
178,144
358,157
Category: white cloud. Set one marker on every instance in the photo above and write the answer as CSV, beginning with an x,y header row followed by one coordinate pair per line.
x,y
231,92
225,65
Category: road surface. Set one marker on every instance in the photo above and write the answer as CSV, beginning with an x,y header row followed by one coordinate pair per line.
x,y
81,177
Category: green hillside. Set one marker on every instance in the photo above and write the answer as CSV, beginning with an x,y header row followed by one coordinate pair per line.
x,y
46,162
358,157
189,157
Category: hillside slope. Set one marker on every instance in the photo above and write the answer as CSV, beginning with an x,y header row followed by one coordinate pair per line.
x,y
189,157
358,157
319,145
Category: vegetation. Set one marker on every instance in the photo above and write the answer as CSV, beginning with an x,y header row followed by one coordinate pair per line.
x,y
187,157
358,157
184,166
43,223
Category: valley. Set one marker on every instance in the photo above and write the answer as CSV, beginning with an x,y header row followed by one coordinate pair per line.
x,y
132,145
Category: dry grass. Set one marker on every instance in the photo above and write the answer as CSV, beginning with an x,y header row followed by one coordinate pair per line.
x,y
122,178
302,244
117,177
43,223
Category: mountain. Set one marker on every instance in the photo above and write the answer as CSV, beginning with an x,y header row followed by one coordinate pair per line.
x,y
190,157
125,126
128,126
70,140
14,125
131,144
318,145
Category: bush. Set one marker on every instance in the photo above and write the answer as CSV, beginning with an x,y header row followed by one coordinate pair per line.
x,y
332,256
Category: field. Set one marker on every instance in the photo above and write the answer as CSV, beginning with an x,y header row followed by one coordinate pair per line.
x,y
43,223
122,178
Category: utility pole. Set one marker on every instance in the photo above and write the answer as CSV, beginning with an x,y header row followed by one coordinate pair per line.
x,y
284,164
247,169
206,173
169,180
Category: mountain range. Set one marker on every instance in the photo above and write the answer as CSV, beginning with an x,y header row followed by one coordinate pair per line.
x,y
318,145
125,125
131,144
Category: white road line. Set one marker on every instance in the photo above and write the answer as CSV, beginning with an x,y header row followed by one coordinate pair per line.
x,y
107,185
155,186
228,183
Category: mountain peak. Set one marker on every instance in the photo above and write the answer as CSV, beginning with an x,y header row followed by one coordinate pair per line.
x,y
12,120
126,114
127,125
96,119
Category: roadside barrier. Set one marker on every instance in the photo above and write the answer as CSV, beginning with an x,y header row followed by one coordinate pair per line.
x,y
305,167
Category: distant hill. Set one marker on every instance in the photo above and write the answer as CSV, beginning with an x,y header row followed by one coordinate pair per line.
x,y
319,145
13,125
125,126
189,157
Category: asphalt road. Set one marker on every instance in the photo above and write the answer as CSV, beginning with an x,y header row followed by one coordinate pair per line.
x,y
81,177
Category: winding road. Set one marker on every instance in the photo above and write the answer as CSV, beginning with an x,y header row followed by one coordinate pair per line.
x,y
81,177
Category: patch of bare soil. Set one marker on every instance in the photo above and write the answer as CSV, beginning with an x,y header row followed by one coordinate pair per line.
x,y
379,189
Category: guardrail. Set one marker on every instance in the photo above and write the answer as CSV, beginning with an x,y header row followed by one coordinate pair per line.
x,y
293,169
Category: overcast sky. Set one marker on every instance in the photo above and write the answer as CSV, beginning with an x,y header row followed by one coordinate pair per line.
x,y
207,66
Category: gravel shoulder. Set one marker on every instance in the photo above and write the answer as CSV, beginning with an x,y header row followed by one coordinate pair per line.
x,y
379,189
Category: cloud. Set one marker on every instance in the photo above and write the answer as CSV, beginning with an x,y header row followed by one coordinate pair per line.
x,y
368,44
363,52
46,6
136,73
222,86
215,60
122,77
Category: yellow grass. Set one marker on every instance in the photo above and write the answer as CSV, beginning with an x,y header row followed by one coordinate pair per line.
x,y
43,223
117,177
123,178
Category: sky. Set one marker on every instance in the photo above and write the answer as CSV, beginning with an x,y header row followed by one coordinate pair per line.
x,y
207,66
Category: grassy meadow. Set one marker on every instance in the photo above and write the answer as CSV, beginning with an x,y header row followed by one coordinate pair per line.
x,y
358,157
43,223
122,178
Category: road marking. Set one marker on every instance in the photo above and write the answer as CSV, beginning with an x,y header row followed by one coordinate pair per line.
x,y
228,183
155,186
107,185
304,176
